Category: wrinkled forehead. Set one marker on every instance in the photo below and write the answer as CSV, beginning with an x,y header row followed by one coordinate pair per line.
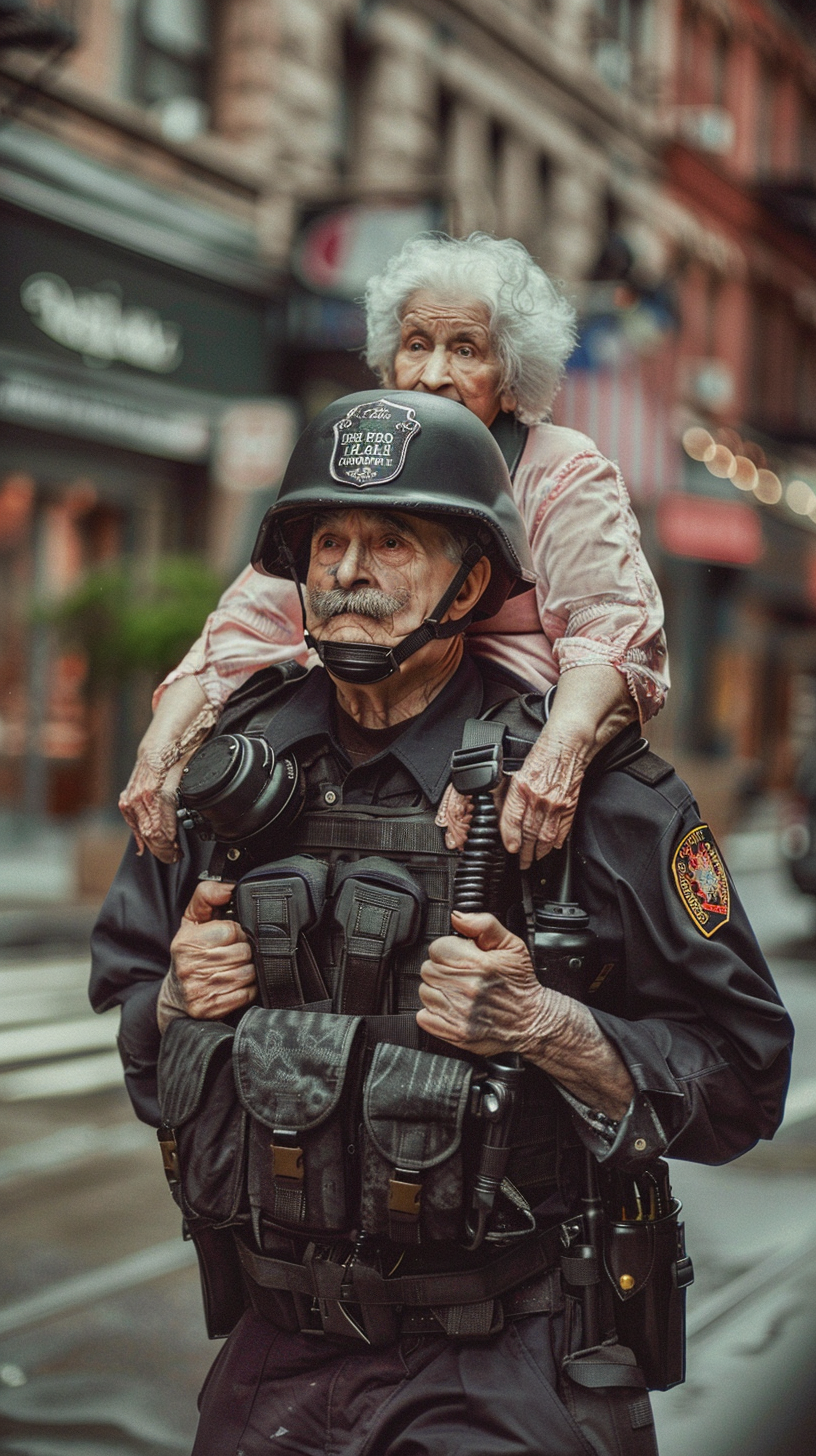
x,y
353,521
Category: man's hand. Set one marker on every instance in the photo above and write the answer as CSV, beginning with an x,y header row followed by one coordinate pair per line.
x,y
211,971
481,993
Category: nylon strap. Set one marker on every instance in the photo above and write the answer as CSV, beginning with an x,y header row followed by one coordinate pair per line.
x,y
523,1261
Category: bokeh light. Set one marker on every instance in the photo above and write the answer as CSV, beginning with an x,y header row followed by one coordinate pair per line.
x,y
721,462
768,488
745,473
698,443
800,496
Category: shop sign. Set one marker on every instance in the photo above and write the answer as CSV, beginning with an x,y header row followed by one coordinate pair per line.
x,y
96,324
337,251
726,532
90,305
28,400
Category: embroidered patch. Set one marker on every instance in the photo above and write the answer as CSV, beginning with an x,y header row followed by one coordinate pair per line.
x,y
371,441
701,880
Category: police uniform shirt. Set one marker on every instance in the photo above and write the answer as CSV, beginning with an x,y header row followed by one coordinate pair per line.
x,y
683,992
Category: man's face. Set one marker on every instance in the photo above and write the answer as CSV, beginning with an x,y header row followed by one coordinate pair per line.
x,y
374,577
445,348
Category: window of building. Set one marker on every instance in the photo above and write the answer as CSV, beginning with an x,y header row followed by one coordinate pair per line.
x,y
171,62
622,29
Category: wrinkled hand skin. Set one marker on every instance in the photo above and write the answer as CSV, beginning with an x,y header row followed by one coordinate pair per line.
x,y
479,992
537,804
591,705
211,971
148,806
181,722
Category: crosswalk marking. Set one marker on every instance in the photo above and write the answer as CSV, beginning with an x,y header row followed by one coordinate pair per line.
x,y
55,1038
51,1043
74,1144
136,1269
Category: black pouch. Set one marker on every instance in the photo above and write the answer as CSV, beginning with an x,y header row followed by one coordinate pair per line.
x,y
203,1131
414,1106
295,1074
275,904
650,1271
378,906
222,1287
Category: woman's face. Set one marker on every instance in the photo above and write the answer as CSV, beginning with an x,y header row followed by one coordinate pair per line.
x,y
445,348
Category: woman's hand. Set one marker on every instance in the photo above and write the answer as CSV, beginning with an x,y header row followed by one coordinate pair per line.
x,y
591,705
147,803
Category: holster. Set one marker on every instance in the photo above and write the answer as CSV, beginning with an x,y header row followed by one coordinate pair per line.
x,y
295,1076
414,1105
650,1271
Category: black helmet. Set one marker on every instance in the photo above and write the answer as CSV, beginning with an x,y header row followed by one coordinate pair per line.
x,y
418,454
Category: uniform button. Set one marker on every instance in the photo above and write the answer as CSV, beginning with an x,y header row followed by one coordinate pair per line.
x,y
330,796
640,1145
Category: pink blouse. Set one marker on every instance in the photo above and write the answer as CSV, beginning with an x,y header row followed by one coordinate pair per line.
x,y
595,600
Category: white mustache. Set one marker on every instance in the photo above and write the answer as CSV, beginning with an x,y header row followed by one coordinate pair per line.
x,y
363,601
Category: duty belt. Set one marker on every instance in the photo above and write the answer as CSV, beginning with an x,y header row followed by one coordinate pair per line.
x,y
351,1298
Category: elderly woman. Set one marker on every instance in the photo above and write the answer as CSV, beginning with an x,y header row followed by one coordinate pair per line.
x,y
475,320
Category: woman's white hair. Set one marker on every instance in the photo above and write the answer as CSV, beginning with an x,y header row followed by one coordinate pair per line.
x,y
532,324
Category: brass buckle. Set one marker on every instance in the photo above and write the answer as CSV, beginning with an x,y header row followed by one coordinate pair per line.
x,y
404,1196
169,1152
287,1159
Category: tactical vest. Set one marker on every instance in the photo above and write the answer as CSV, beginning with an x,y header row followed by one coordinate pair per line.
x,y
328,1114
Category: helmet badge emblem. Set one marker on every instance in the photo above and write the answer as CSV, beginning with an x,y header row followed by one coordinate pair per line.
x,y
371,442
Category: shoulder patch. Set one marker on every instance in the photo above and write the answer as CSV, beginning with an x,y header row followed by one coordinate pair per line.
x,y
649,768
701,880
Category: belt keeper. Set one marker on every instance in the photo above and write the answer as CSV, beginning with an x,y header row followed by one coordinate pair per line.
x,y
169,1152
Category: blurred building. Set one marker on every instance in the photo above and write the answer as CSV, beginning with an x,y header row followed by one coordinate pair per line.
x,y
739,543
195,193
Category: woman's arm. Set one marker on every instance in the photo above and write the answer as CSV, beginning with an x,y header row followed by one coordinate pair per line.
x,y
257,622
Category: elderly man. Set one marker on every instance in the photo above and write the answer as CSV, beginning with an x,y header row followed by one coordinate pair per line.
x,y
393,1152
476,321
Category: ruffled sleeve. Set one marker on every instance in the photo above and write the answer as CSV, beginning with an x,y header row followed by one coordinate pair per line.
x,y
597,597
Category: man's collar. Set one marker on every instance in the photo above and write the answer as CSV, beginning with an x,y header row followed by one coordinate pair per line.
x,y
425,746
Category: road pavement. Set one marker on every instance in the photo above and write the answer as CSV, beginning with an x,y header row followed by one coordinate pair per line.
x,y
102,1349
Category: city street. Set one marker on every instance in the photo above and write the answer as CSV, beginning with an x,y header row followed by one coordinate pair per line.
x,y
102,1348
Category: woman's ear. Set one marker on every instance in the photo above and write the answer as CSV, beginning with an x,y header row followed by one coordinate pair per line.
x,y
508,401
471,590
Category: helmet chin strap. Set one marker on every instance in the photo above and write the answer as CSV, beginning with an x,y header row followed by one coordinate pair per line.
x,y
366,663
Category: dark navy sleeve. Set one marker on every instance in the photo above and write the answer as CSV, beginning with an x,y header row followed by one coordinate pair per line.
x,y
695,1016
130,956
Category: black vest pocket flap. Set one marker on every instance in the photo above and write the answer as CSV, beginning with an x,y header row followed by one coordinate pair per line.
x,y
190,1051
275,904
414,1105
290,1066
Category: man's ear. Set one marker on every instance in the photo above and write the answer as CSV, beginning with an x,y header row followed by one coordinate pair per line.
x,y
469,593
